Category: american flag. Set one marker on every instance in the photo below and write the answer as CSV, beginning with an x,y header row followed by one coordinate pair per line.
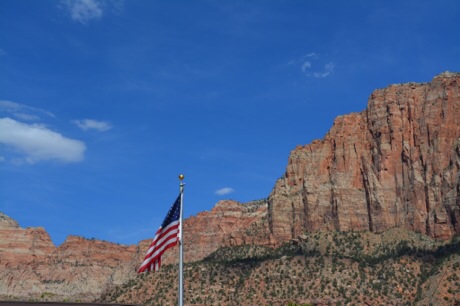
x,y
166,237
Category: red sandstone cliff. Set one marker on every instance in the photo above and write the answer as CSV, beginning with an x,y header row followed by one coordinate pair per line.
x,y
32,267
80,269
396,164
228,223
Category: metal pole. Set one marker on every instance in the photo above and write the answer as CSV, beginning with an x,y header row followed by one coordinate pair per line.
x,y
181,251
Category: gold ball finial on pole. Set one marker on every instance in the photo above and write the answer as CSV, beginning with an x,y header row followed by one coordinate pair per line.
x,y
181,177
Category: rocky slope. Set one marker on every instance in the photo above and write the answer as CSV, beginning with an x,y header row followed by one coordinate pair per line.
x,y
397,267
229,223
31,267
396,164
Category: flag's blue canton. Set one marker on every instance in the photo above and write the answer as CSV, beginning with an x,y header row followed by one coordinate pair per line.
x,y
173,213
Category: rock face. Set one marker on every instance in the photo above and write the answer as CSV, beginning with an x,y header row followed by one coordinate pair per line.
x,y
396,164
31,267
229,223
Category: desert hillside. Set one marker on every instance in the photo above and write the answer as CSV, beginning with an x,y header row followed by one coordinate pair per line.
x,y
397,267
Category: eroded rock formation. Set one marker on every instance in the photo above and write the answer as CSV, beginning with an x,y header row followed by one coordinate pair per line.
x,y
31,267
396,164
229,223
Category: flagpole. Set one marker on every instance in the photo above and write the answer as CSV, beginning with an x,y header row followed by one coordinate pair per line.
x,y
181,251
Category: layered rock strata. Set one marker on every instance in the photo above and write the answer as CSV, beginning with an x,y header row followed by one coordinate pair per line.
x,y
31,267
229,223
396,164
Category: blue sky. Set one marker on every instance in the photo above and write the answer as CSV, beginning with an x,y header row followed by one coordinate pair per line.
x,y
104,103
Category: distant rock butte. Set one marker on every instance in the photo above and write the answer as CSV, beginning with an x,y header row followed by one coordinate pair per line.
x,y
80,269
396,164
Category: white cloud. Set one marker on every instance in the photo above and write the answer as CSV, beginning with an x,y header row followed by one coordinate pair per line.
x,y
23,112
38,143
27,117
83,10
9,105
224,191
308,64
303,59
89,124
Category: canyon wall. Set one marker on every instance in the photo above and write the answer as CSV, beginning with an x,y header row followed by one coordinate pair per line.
x,y
229,223
80,269
31,267
396,164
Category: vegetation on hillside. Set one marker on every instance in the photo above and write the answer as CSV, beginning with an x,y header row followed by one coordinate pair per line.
x,y
336,268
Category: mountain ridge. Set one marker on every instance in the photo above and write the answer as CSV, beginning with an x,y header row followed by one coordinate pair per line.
x,y
394,165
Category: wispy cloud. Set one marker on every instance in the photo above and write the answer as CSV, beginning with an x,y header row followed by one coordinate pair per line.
x,y
89,124
308,64
35,142
23,112
224,191
301,59
328,69
27,117
305,66
83,10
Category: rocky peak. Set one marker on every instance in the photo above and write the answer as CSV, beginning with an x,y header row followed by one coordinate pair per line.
x,y
7,222
447,74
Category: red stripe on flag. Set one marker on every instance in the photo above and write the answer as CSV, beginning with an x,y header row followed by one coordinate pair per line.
x,y
161,235
164,239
